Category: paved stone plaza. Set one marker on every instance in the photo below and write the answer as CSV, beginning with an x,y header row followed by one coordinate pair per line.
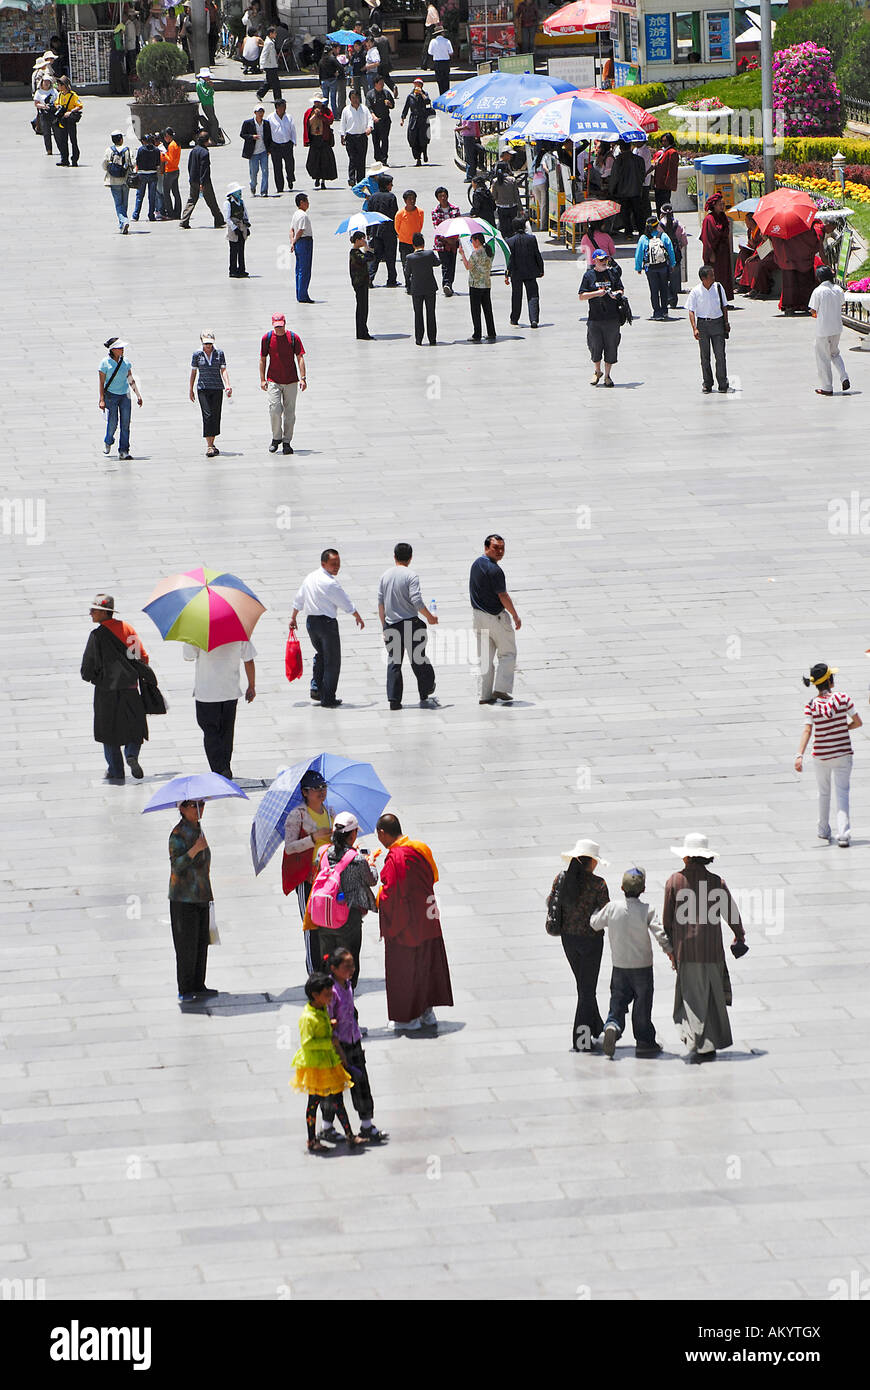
x,y
673,561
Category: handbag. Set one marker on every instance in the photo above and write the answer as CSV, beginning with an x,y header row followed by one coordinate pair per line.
x,y
132,180
293,658
153,699
295,869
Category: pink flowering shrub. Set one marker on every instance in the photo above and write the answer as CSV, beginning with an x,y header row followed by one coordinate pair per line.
x,y
805,91
860,286
705,104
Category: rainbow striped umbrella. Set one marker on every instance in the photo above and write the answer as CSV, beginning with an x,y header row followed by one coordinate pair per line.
x,y
208,608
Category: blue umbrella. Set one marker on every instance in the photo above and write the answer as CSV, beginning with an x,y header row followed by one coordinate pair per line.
x,y
574,118
353,787
508,94
449,100
359,221
202,786
346,37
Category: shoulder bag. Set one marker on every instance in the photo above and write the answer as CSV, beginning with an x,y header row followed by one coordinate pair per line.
x,y
554,911
724,311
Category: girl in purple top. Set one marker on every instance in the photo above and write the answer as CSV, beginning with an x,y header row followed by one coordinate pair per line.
x,y
347,1031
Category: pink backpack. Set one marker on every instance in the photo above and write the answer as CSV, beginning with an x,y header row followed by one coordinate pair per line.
x,y
324,907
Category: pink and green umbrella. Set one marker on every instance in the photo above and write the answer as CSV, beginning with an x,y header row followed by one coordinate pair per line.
x,y
207,608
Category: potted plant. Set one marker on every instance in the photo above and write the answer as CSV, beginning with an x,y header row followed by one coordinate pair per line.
x,y
163,101
346,18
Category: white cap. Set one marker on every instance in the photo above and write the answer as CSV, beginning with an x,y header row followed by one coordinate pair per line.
x,y
204,72
346,821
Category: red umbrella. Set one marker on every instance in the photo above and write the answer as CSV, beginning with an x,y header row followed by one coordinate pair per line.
x,y
636,113
580,17
592,210
785,213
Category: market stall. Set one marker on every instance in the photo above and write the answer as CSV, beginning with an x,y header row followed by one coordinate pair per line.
x,y
25,29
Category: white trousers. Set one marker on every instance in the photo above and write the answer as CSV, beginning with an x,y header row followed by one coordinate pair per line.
x,y
495,638
834,772
282,402
828,354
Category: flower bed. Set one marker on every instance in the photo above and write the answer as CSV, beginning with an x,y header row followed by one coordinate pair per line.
x,y
859,286
827,190
805,91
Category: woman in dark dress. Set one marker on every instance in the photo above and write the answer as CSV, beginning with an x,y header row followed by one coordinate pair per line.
x,y
716,243
577,894
317,135
416,111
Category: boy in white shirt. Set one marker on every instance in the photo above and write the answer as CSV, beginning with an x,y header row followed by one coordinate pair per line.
x,y
826,307
629,926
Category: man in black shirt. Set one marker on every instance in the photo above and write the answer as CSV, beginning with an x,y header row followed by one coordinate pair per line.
x,y
147,167
199,173
360,256
384,238
423,287
525,267
492,610
602,287
381,101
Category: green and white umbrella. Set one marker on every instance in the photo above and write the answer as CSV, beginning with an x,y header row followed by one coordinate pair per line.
x,y
465,227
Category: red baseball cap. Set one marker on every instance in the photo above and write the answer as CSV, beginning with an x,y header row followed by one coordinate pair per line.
x,y
278,318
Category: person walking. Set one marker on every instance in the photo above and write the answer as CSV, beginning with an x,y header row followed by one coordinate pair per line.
x,y
116,378
479,267
492,611
282,374
708,316
384,239
205,97
190,899
716,242
400,603
328,72
67,114
440,52
831,716
506,196
117,165
431,26
119,712
826,307
302,247
418,111
320,596
360,256
524,269
577,894
408,220
208,368
44,101
422,287
355,127
629,926
469,133
199,173
601,288
381,100
147,169
170,162
269,64
627,175
318,135
415,961
693,919
679,242
256,132
238,229
216,692
666,171
282,145
654,257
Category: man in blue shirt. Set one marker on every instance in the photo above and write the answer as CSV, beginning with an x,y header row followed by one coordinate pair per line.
x,y
492,610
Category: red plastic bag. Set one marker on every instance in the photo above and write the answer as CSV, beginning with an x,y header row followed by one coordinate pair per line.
x,y
293,658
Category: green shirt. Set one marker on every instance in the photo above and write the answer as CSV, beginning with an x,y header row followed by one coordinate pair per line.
x,y
205,94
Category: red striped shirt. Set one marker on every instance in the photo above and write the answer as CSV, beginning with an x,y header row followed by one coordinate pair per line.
x,y
830,715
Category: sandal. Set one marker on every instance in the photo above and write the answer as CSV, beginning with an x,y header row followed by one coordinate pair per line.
x,y
595,380
315,1147
210,452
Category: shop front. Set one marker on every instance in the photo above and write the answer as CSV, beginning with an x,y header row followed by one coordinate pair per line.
x,y
664,41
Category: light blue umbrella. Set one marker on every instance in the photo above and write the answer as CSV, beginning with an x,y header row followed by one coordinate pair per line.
x,y
449,100
353,787
360,221
506,95
345,37
574,118
202,786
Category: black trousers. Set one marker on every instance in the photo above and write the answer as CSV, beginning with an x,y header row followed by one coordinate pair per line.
x,y
362,310
410,635
326,641
283,159
381,141
349,936
531,288
237,256
270,82
631,211
189,923
425,302
584,958
357,147
384,246
207,192
442,75
448,266
405,249
481,300
210,403
360,1091
711,334
217,719
66,137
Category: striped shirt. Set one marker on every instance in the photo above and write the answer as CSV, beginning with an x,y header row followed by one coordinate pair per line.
x,y
829,715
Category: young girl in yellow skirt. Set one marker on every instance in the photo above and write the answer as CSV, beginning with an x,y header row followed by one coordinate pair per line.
x,y
319,1063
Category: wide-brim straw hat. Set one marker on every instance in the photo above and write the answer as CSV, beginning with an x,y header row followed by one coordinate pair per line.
x,y
585,849
694,846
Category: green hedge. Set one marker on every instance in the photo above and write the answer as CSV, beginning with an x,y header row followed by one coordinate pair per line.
x,y
646,94
799,149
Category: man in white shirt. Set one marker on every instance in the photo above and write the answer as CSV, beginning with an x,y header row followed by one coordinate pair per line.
x,y
400,605
356,125
216,690
321,596
826,307
302,247
708,315
373,63
283,140
269,64
441,51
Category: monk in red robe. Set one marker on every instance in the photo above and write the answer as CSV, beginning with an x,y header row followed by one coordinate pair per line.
x,y
417,973
716,242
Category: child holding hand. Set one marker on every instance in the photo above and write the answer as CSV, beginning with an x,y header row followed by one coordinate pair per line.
x,y
320,1070
629,926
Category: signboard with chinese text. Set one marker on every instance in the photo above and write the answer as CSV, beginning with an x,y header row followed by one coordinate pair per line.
x,y
658,38
626,74
580,71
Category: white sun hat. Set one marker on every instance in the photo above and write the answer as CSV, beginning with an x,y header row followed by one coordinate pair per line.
x,y
694,846
587,849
